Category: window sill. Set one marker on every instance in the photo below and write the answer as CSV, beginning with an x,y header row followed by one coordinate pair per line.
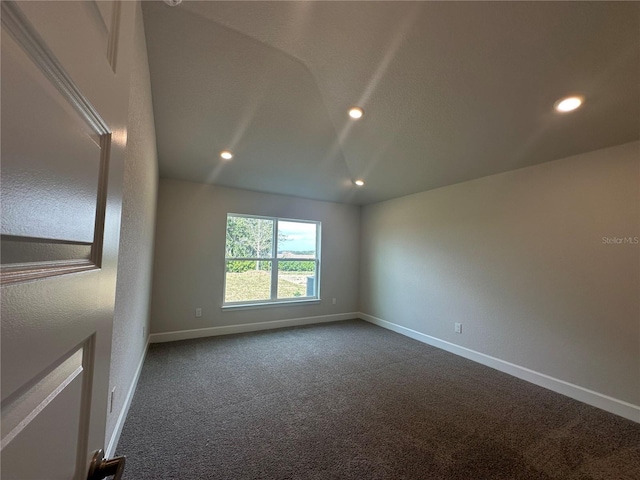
x,y
283,303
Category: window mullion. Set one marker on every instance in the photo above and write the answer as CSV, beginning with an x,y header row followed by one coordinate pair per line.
x,y
274,261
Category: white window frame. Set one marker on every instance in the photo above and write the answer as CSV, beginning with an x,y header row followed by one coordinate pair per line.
x,y
274,300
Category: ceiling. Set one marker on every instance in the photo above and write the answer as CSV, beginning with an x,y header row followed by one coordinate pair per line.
x,y
451,91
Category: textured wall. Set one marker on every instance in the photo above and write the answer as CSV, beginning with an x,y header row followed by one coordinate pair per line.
x,y
519,259
189,255
133,289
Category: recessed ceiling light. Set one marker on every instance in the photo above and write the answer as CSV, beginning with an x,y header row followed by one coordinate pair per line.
x,y
356,112
226,154
568,104
359,183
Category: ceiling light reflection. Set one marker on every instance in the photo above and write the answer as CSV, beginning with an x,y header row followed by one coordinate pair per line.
x,y
568,104
356,112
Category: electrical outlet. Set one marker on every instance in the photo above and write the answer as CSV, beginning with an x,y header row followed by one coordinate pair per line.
x,y
457,327
198,312
112,399
334,301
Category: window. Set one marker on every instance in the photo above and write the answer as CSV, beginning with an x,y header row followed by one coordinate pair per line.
x,y
271,260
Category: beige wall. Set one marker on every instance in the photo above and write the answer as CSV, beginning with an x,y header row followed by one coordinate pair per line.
x,y
189,255
133,288
518,258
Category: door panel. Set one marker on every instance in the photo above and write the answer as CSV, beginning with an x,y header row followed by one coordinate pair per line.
x,y
36,343
64,116
42,407
32,187
83,49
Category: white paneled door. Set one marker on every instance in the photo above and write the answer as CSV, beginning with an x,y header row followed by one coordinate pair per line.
x,y
65,89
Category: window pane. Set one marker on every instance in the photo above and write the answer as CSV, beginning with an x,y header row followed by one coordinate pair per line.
x,y
249,237
296,239
296,278
247,281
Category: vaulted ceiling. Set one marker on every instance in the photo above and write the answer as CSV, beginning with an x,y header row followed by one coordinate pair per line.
x,y
451,91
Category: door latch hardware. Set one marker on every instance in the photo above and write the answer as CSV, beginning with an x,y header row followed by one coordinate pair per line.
x,y
101,468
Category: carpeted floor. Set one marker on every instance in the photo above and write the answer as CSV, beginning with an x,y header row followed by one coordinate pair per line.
x,y
350,400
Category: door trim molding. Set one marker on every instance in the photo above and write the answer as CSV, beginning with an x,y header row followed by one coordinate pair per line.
x,y
28,272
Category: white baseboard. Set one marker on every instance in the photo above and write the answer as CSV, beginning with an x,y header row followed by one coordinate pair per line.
x,y
115,436
248,327
604,402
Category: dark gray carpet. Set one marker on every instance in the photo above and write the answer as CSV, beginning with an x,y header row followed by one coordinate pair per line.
x,y
350,400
